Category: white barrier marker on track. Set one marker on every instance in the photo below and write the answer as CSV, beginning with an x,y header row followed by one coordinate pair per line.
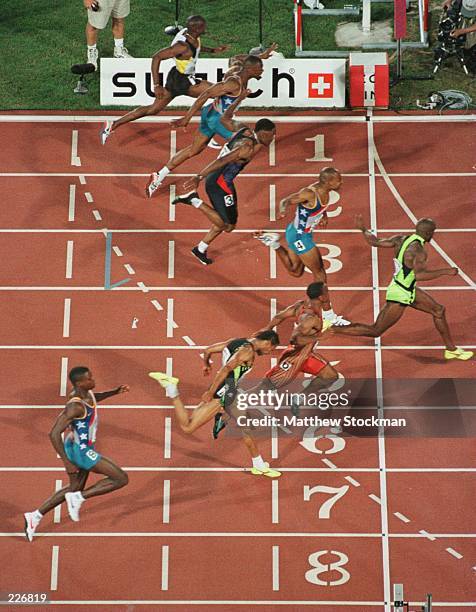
x,y
170,317
329,463
352,481
272,153
57,510
82,179
276,567
75,160
272,202
66,317
69,259
272,263
97,215
168,438
273,306
427,535
72,203
166,502
54,568
129,269
156,304
117,251
375,499
453,552
165,568
143,287
402,517
171,270
169,366
64,376
173,142
188,340
275,502
89,197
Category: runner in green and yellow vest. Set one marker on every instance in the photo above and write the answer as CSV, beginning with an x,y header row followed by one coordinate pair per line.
x,y
410,267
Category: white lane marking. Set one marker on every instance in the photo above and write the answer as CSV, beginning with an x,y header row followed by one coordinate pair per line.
x,y
352,481
273,306
169,366
455,553
156,304
329,463
57,510
170,317
117,251
82,179
165,568
272,263
171,268
97,215
54,568
143,287
276,567
275,502
75,160
167,438
89,197
274,442
66,317
272,153
173,142
375,499
272,202
427,535
69,259
189,340
173,193
402,517
166,502
72,203
64,376
129,269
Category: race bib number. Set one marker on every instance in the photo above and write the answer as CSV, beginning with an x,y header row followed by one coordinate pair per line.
x,y
229,201
92,455
285,365
299,245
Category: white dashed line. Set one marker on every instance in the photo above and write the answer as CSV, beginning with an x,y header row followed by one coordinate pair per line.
x,y
129,269
168,438
156,304
89,197
75,160
64,376
72,203
69,259
54,568
375,498
66,317
117,251
427,535
143,287
97,215
166,502
352,481
57,510
329,463
82,179
188,340
453,552
402,517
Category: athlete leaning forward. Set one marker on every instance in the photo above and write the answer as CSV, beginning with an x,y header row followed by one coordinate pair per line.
x,y
301,251
300,357
410,263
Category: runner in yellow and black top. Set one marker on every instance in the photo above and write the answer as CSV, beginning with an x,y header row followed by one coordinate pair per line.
x,y
238,356
410,267
181,80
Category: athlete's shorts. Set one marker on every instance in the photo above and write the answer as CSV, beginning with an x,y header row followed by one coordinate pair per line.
x,y
291,364
299,243
223,197
85,459
178,84
226,393
107,8
400,295
210,123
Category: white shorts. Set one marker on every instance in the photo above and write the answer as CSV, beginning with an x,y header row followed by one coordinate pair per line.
x,y
107,8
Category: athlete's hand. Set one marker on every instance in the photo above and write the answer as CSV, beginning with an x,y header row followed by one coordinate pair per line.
x,y
192,184
283,205
244,94
456,33
180,122
452,271
323,222
272,47
207,369
359,223
123,389
207,396
221,48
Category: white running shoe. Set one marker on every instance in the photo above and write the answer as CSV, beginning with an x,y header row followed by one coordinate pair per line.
x,y
269,239
105,132
93,56
31,523
74,501
121,53
213,144
153,184
337,320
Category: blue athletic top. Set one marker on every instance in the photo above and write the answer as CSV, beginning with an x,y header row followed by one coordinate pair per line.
x,y
83,429
232,169
222,103
306,219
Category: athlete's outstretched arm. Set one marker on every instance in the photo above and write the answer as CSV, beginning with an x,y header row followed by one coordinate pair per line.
x,y
418,264
242,355
373,240
211,350
227,117
281,316
229,86
72,410
102,395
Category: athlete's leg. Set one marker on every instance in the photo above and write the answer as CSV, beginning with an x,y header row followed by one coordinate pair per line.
x,y
388,316
77,482
190,422
290,261
199,143
313,260
326,377
426,303
116,478
143,111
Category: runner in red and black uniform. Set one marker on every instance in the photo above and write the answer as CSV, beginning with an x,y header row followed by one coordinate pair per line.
x,y
219,185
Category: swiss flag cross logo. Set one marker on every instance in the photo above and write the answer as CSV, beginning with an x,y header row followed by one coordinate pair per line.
x,y
321,85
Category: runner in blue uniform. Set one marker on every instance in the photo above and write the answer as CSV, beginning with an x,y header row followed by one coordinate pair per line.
x,y
77,451
302,252
226,94
219,185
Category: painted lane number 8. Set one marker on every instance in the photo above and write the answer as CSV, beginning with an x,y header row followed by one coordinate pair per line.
x,y
319,568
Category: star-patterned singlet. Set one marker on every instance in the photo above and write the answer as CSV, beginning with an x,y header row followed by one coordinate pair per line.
x,y
83,429
222,103
306,219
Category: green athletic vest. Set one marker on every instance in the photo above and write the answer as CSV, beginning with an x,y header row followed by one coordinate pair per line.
x,y
406,281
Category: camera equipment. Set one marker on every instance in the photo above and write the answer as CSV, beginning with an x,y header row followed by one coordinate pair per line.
x,y
447,44
82,69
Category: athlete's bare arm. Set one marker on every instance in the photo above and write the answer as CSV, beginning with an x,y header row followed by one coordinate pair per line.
x,y
304,196
102,395
227,117
242,356
283,315
229,86
307,330
166,53
244,152
73,410
416,260
393,241
218,347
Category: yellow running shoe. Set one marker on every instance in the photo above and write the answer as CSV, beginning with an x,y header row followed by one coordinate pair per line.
x,y
326,324
163,379
459,354
267,471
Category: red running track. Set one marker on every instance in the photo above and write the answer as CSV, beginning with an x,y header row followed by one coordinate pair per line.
x,y
193,528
